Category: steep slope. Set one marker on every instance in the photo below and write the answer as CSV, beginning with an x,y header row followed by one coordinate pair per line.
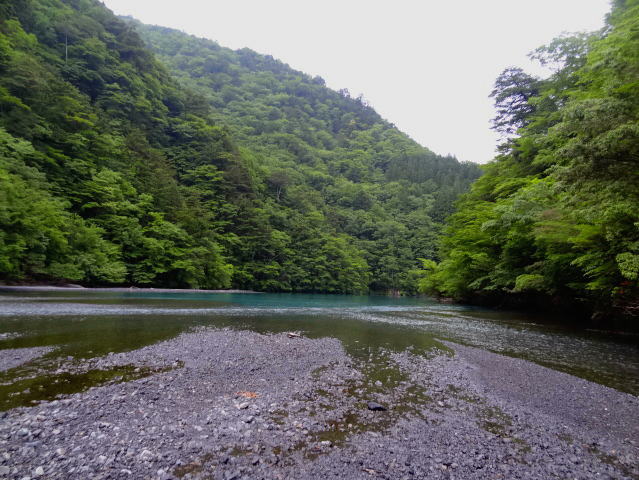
x,y
323,152
115,173
555,219
87,116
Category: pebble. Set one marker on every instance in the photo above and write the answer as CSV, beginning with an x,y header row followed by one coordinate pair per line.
x,y
145,455
376,407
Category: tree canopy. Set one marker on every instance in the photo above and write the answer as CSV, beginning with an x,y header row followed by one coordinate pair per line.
x,y
554,220
134,155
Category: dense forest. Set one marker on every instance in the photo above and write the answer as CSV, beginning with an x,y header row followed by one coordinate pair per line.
x,y
554,221
140,155
174,162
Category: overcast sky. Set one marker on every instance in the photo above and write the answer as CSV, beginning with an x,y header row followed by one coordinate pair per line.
x,y
427,66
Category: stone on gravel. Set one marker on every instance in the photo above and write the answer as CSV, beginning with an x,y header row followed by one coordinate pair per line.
x,y
375,407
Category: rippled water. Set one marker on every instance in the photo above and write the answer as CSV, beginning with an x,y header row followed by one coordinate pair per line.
x,y
88,323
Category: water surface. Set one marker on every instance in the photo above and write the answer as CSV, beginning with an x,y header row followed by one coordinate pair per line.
x,y
80,324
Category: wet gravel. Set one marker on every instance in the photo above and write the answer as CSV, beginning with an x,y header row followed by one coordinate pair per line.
x,y
226,404
11,358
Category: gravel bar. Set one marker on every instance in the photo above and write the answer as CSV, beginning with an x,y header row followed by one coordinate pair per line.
x,y
13,357
227,404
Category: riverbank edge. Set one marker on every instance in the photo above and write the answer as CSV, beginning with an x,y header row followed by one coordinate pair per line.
x,y
560,310
71,287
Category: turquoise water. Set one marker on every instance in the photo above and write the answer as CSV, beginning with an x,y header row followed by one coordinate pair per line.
x,y
80,324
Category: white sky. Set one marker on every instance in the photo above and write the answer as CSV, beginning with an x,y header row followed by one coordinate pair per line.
x,y
428,66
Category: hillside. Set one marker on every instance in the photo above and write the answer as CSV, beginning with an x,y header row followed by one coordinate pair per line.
x,y
554,221
195,166
323,151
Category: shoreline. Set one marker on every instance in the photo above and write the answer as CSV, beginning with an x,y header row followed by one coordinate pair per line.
x,y
70,288
227,404
566,311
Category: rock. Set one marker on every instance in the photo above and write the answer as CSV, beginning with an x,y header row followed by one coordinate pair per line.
x,y
38,472
145,455
375,407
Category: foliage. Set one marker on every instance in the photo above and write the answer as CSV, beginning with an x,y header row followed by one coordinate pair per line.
x,y
218,168
557,213
322,154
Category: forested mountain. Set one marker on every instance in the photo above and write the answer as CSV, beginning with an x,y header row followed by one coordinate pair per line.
x,y
224,169
555,218
320,153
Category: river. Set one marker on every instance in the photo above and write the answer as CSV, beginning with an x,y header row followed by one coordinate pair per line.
x,y
79,324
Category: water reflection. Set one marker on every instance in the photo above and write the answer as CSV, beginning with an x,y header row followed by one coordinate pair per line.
x,y
85,324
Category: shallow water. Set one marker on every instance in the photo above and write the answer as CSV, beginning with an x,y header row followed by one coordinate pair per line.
x,y
81,324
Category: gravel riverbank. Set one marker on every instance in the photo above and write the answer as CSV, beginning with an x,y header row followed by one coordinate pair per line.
x,y
17,356
226,404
